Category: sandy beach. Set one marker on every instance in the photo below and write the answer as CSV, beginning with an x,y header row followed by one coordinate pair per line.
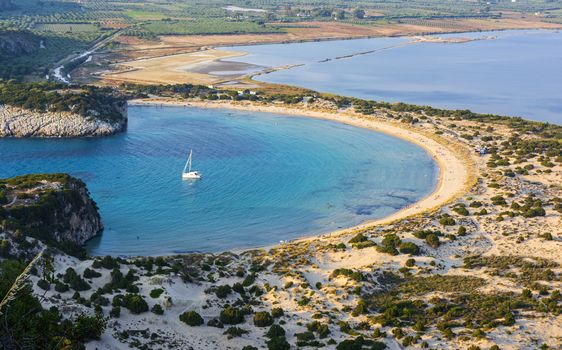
x,y
456,166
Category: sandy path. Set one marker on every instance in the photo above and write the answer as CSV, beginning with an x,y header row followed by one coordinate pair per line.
x,y
457,170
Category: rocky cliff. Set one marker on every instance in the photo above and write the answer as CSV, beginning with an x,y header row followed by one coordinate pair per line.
x,y
20,122
55,208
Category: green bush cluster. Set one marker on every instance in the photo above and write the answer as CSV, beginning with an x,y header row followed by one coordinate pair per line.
x,y
74,280
135,303
191,318
263,319
231,315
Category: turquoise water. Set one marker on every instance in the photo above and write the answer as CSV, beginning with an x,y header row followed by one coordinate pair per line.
x,y
519,73
266,178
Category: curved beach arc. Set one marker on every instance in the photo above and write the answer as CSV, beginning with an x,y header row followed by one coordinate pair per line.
x,y
456,166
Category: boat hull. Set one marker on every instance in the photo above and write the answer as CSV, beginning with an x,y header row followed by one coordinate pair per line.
x,y
192,175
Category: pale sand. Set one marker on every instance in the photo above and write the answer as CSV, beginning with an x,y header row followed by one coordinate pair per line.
x,y
171,69
456,164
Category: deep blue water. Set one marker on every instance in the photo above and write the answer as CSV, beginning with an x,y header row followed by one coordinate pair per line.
x,y
266,178
519,73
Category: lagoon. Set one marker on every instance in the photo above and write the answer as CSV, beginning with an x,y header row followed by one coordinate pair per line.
x,y
518,73
266,178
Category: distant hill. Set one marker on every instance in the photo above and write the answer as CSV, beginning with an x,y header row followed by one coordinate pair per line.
x,y
16,43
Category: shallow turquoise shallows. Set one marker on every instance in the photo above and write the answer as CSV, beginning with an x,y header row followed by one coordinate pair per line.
x,y
265,178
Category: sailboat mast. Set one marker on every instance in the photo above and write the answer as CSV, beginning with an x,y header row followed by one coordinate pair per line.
x,y
188,163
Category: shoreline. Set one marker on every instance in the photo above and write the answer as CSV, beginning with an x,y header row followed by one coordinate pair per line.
x,y
456,166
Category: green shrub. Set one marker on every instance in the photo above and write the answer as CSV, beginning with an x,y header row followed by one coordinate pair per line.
x,y
278,343
461,210
215,322
155,293
191,318
275,331
76,282
231,315
88,273
157,309
351,344
432,240
61,287
86,328
135,303
360,309
358,238
249,280
238,288
277,312
533,212
389,244
409,248
115,312
43,284
447,220
424,233
235,332
223,291
320,328
263,319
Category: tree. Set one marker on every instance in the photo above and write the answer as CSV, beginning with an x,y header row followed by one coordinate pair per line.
x,y
359,13
338,14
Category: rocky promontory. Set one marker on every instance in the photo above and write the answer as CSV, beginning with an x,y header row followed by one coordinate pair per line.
x,y
20,122
59,110
54,208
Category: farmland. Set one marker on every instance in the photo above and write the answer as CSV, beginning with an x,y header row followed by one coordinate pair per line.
x,y
207,26
67,27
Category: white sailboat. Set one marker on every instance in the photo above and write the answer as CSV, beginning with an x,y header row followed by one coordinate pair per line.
x,y
187,173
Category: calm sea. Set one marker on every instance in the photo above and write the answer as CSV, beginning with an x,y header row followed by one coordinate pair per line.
x,y
266,178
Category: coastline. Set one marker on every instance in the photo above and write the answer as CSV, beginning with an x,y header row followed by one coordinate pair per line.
x,y
456,166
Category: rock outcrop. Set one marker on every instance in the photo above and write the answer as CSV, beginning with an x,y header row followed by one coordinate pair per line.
x,y
55,208
20,122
